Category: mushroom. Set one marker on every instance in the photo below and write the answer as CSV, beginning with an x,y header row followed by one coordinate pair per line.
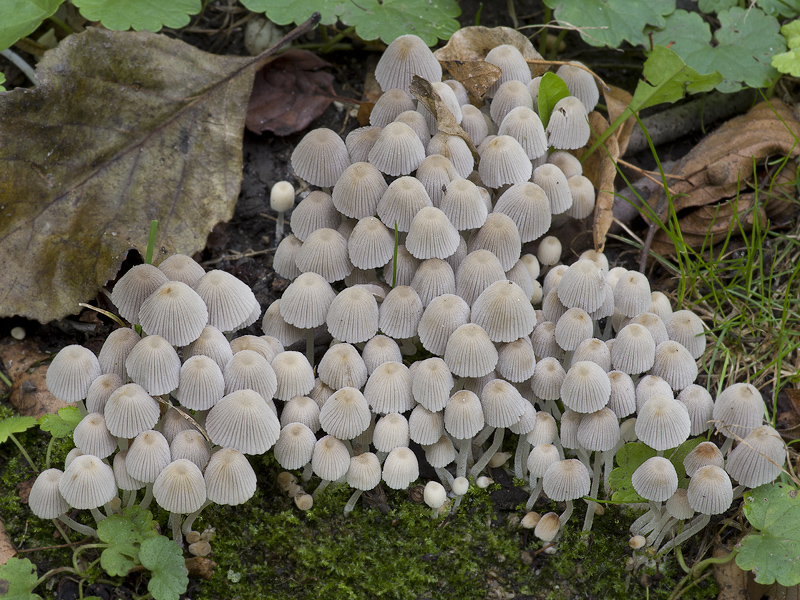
x,y
281,199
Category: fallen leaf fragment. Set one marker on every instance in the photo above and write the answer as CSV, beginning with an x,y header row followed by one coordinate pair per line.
x,y
289,92
731,580
423,91
7,549
200,567
29,393
477,76
617,101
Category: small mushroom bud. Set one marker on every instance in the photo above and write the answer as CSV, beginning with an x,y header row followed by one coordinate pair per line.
x,y
530,520
284,479
637,541
483,482
499,459
201,548
281,199
304,501
460,486
193,537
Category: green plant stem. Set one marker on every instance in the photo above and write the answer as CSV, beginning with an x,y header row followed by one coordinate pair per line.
x,y
60,24
559,38
24,452
151,242
52,572
5,379
548,14
337,38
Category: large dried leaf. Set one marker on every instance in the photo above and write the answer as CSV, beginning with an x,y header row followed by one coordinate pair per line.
x,y
124,128
477,76
617,101
289,93
474,43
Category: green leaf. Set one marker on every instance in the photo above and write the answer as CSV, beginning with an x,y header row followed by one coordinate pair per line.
x,y
551,89
23,17
788,62
773,551
780,8
389,19
2,81
62,424
616,20
285,12
13,425
125,533
742,50
715,6
17,579
791,31
170,576
150,15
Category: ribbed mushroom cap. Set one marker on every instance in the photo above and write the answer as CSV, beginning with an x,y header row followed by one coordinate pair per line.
x,y
434,173
710,491
431,235
400,312
516,361
249,370
341,366
758,459
654,324
544,430
470,352
478,270
568,128
392,102
425,426
650,386
547,527
229,300
407,267
87,483
686,328
678,506
100,390
133,288
371,244
449,99
44,499
180,487
566,480
301,409
520,275
172,423
504,161
229,477
441,318
582,286
325,252
594,350
463,205
463,415
115,351
527,205
93,437
623,394
147,456
130,410
381,349
432,383
585,388
660,305
500,236
453,148
705,453
212,343
572,328
417,122
634,349
397,151
502,403
655,479
570,421
738,410
401,201
314,212
459,90
391,431
294,374
400,468
674,364
320,158
552,180
243,420
632,294
267,346
583,197
191,445
553,310
580,83
544,342
364,472
388,389
504,312
569,165
285,259
306,301
663,423
274,325
525,126
353,315
512,64
434,278
180,267
174,311
331,458
473,123
358,190
360,141
295,446
441,453
406,56
549,250
72,372
599,431
345,414
700,406
548,376
201,384
540,459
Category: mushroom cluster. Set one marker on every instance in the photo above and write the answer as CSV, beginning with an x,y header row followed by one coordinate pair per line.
x,y
413,262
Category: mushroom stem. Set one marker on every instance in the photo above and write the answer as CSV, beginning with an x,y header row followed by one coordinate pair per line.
x,y
537,490
695,526
62,532
726,445
499,433
307,472
738,491
598,461
639,524
463,453
482,436
351,502
148,496
667,524
175,524
583,455
520,456
132,494
321,488
445,477
279,227
310,346
551,407
98,516
566,514
72,524
189,521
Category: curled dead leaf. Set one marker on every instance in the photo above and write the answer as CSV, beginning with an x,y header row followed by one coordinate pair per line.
x,y
477,76
617,101
7,549
731,580
423,91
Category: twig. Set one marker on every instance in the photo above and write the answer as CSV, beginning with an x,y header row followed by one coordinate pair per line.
x,y
237,256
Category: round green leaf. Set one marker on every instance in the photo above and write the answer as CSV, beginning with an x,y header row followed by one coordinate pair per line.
x,y
150,15
285,12
169,574
22,17
389,19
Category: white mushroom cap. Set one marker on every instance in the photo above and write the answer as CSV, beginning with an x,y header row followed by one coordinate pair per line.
x,y
516,361
364,472
180,267
44,499
599,431
154,364
549,251
650,386
678,505
573,327
133,288
407,267
504,161
381,348
212,343
544,430
594,350
528,206
500,236
663,423
570,421
417,122
314,212
267,346
540,459
448,97
147,456
434,494
345,414
705,453
93,437
425,426
634,349
623,394
331,460
512,64
700,406
407,55
520,275
738,410
397,151
320,158
434,173
434,278
654,324
441,453
632,294
566,480
470,352
245,421
391,431
295,446
353,315
586,388
359,189
431,235
388,389
569,165
229,477
660,305
400,468
548,376
325,252
371,244
582,286
72,372
285,259
432,383
580,83
130,410
477,271
463,415
341,366
453,148
294,374
758,459
502,404
655,479
229,300
686,328
710,491
547,527
463,205
568,128
174,311
124,480
401,201
389,106
87,483
191,445
250,370
674,364
504,312
544,342
100,390
554,183
115,351
400,312
301,409
473,123
441,318
583,197
525,126
180,487
306,301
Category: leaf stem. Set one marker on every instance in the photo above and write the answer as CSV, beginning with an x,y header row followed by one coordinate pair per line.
x,y
60,24
24,452
151,242
5,379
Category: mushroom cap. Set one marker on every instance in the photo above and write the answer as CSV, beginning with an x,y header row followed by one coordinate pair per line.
x,y
710,491
663,423
306,301
632,294
44,499
623,394
738,410
154,364
200,384
463,415
315,211
441,318
425,426
371,244
320,158
391,431
417,122
470,352
569,164
548,376
566,480
353,315
249,370
72,372
130,410
406,56
407,267
434,494
325,252
400,468
229,300
432,383
544,430
180,487
504,312
331,460
525,126
243,420
502,404
147,456
528,206
295,446
547,527
381,349
573,327
87,483
115,351
568,128
583,197
359,189
516,361
580,83
212,343
389,106
582,286
191,445
301,409
285,259
174,422
549,250
449,100
512,64
174,311
388,389
180,267
133,288
477,271
500,236
229,477
705,453
585,388
700,406
93,437
441,453
674,364
400,312
401,201
634,349
678,506
758,459
655,479
434,278
650,386
473,123
364,472
540,459
345,414
434,173
520,275
687,329
342,366
504,161
594,350
397,151
599,431
653,323
554,183
463,205
431,235
100,390
266,345
274,325
453,148
544,342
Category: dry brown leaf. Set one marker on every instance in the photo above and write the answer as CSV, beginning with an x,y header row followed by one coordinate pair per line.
x,y
474,43
200,567
477,76
29,393
7,549
423,91
601,171
125,127
731,580
289,93
617,101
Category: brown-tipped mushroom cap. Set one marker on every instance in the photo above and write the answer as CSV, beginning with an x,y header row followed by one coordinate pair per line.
x,y
325,252
738,410
248,370
341,366
93,437
499,235
100,390
295,446
130,410
306,301
174,311
431,235
470,352
655,479
585,388
406,56
320,158
229,300
229,477
566,480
